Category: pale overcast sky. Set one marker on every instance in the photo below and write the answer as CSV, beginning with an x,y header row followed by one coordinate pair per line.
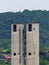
x,y
20,5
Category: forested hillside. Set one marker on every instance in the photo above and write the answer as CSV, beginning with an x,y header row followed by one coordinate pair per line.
x,y
35,16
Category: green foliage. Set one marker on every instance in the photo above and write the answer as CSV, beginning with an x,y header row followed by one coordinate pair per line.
x,y
35,16
4,63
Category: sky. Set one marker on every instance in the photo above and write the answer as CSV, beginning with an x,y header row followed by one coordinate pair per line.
x,y
20,5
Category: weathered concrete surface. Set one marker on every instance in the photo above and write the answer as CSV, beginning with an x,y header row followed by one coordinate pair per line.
x,y
17,45
32,45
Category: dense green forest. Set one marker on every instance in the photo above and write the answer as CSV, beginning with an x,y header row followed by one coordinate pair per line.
x,y
34,16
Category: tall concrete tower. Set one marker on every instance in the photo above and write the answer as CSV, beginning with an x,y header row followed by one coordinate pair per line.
x,y
17,44
32,44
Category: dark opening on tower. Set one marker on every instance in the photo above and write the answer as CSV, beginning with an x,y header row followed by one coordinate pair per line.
x,y
30,27
14,28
